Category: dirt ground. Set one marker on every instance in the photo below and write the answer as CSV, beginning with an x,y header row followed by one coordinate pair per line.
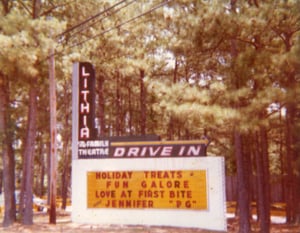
x,y
65,225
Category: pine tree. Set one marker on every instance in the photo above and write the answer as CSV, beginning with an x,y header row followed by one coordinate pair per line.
x,y
235,75
25,45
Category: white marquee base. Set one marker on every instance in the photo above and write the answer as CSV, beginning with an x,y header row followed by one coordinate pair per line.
x,y
214,218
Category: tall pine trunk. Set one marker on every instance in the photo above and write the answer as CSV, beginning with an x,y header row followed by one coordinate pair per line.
x,y
26,196
292,179
263,186
130,111
42,174
292,197
65,173
143,103
8,159
26,205
118,105
53,133
242,184
171,125
101,105
242,177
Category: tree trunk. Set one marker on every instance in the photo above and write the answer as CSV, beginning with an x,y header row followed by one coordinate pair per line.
x,y
7,156
48,158
242,177
266,171
101,106
118,105
65,173
42,175
282,155
66,154
26,205
291,180
170,129
39,174
130,120
143,102
242,182
297,191
262,166
175,71
53,144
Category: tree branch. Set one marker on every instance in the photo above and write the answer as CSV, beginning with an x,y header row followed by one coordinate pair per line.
x,y
46,12
25,7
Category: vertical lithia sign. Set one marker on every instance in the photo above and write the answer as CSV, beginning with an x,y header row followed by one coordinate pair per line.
x,y
86,103
83,105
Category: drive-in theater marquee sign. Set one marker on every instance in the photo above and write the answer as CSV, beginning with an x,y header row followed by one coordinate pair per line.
x,y
140,180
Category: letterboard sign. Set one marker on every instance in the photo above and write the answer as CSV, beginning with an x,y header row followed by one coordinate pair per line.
x,y
175,189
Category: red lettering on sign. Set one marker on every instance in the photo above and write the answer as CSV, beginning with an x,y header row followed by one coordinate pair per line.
x,y
107,193
126,194
151,194
163,174
180,194
116,184
129,204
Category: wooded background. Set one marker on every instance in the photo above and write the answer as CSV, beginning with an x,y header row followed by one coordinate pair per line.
x,y
183,69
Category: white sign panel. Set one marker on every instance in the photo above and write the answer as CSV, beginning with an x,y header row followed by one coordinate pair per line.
x,y
208,211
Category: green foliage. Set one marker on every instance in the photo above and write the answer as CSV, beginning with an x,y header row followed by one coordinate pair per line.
x,y
239,65
25,42
207,69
